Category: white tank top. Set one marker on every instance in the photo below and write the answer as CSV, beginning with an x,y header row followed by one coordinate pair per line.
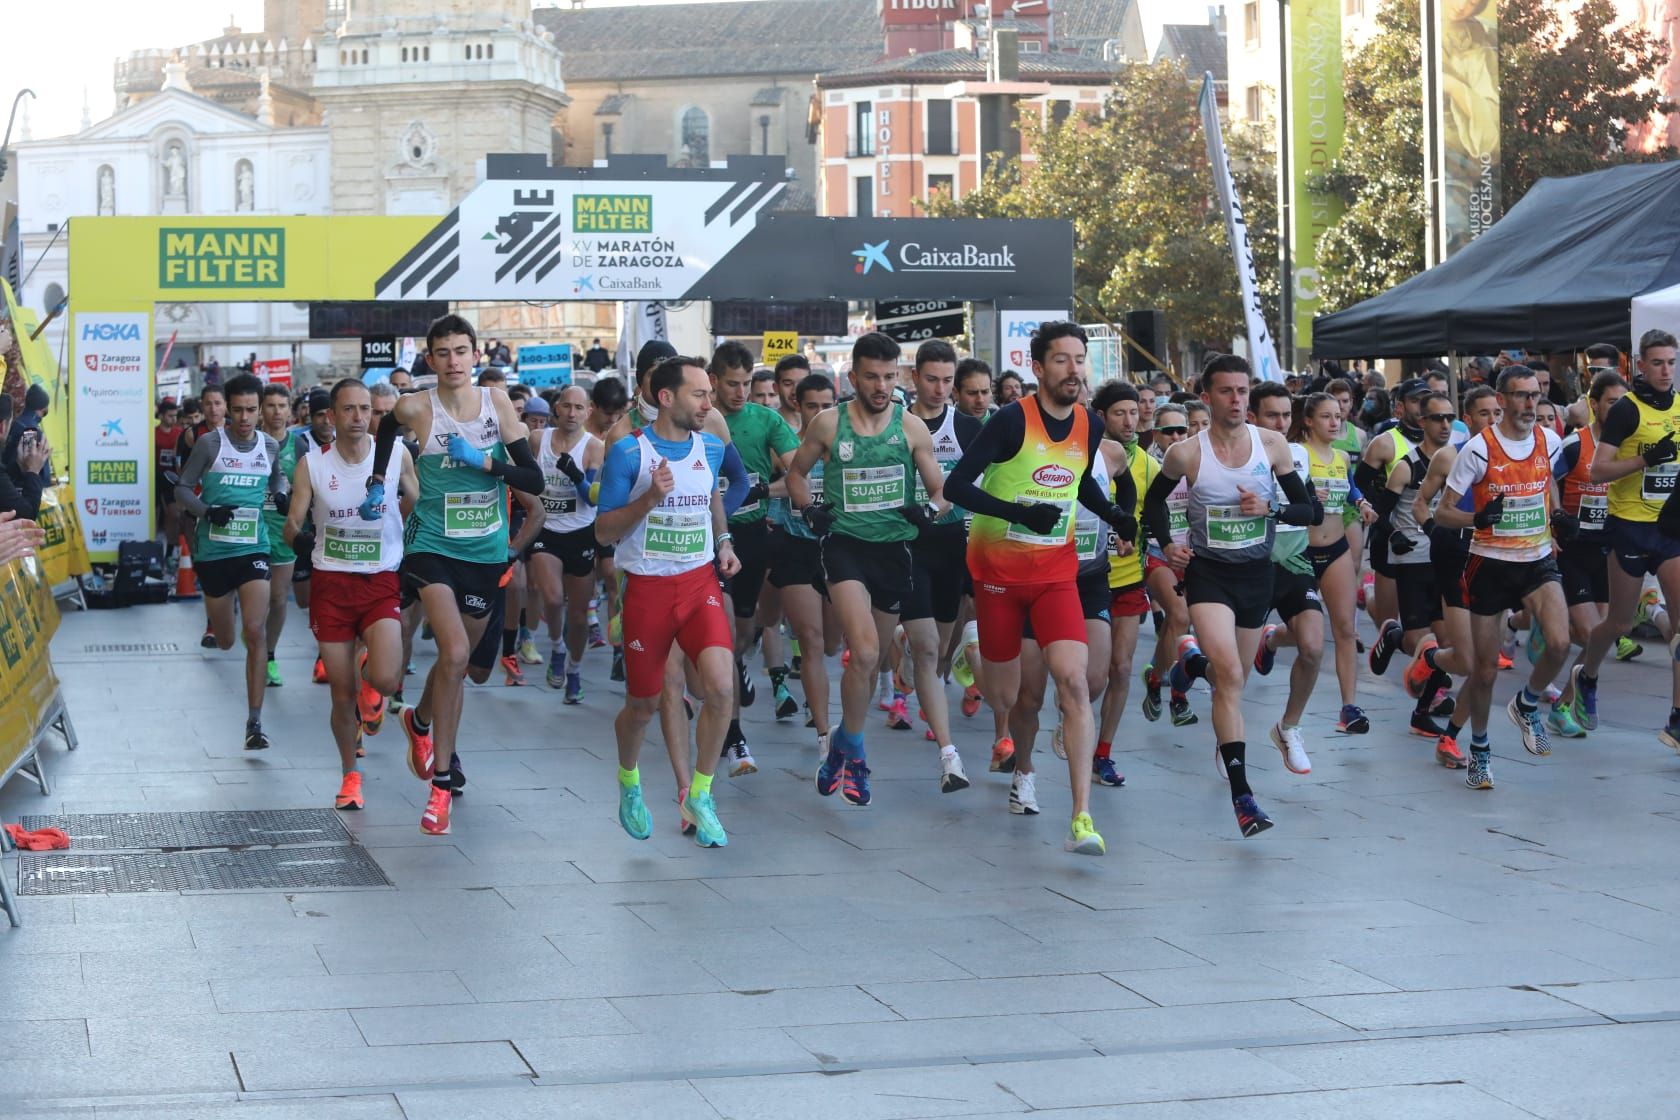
x,y
1219,530
1090,534
676,535
343,541
562,511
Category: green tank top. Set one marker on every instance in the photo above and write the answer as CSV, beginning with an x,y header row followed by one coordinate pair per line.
x,y
867,478
279,552
239,479
462,511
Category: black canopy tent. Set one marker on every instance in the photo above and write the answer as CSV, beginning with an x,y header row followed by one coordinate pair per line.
x,y
1560,271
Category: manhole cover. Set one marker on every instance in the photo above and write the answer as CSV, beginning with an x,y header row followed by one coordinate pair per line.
x,y
221,829
131,647
63,873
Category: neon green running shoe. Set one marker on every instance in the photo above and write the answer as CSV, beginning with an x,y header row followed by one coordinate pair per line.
x,y
699,811
1627,649
274,680
962,671
1083,838
633,812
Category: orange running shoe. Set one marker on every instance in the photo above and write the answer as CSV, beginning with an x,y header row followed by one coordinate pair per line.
x,y
515,675
435,820
1419,672
319,673
1003,756
419,747
1448,754
970,701
350,792
370,706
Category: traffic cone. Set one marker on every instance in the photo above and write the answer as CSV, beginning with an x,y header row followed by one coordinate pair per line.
x,y
186,584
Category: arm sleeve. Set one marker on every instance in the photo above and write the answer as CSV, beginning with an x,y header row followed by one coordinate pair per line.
x,y
1303,507
523,473
1157,518
734,472
1567,459
1366,478
619,469
1621,422
383,441
278,482
996,442
203,451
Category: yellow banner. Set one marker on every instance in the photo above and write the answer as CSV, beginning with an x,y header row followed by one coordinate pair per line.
x,y
28,620
778,345
65,552
40,367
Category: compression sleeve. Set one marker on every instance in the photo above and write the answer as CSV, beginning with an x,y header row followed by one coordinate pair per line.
x,y
383,441
1303,507
734,472
1384,501
1567,459
619,469
996,442
1157,518
1366,478
523,473
203,451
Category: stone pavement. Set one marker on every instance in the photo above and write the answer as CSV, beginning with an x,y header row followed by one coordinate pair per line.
x,y
1398,946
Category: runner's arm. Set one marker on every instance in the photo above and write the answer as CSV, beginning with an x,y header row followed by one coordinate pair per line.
x,y
1303,507
408,486
278,484
203,451
522,473
922,460
1567,458
383,441
813,445
617,514
303,496
999,441
734,472
533,522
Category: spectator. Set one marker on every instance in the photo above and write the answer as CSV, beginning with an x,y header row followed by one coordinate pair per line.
x,y
20,497
597,359
35,404
1008,388
401,380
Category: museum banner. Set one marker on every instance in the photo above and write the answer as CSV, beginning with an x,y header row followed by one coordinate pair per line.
x,y
1465,69
1315,133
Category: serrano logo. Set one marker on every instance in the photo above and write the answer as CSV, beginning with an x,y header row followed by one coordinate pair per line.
x,y
1053,475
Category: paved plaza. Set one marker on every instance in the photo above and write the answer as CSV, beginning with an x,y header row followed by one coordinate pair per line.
x,y
1398,946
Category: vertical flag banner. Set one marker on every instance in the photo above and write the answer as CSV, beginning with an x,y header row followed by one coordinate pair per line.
x,y
1466,126
1315,141
111,423
1262,349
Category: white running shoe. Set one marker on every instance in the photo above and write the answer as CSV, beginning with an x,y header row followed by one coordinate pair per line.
x,y
741,761
822,742
951,776
1022,800
1288,742
1058,744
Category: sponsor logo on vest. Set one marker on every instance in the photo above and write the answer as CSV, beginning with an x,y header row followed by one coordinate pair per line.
x,y
845,450
1053,475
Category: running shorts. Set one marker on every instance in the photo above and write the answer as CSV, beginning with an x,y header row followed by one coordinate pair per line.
x,y
938,563
1003,612
1321,556
658,610
1380,562
883,567
1244,587
1094,595
1585,566
1418,594
342,605
1492,585
217,578
575,550
797,563
476,586
1449,551
1128,602
1293,593
752,549
1640,546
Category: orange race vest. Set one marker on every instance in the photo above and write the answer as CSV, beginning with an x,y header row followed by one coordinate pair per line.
x,y
1525,525
1581,497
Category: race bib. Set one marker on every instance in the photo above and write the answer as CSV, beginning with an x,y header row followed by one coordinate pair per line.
x,y
242,528
1594,509
1523,516
1332,495
868,489
945,466
1088,542
1057,535
471,515
676,535
1178,519
1228,527
355,545
752,506
1658,482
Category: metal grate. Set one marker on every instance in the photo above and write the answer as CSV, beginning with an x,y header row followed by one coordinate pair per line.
x,y
66,873
219,829
131,647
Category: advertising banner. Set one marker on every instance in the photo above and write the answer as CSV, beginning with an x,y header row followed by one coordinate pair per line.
x,y
39,367
111,425
1262,349
1015,348
28,619
1465,69
379,351
277,371
1315,141
546,367
65,552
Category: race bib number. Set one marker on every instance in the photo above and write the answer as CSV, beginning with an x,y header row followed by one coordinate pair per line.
x,y
1332,495
471,515
945,466
752,506
1088,542
869,489
1523,516
674,535
1228,527
1178,519
242,528
1058,534
1658,482
1594,509
357,546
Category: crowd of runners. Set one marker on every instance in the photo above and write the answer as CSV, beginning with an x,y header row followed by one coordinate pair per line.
x,y
936,543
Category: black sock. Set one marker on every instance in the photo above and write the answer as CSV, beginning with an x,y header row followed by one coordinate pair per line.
x,y
734,733
271,656
1195,666
777,676
442,780
1454,730
1588,682
1232,754
420,725
1426,700
509,639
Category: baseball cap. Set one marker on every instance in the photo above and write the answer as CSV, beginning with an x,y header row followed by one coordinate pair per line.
x,y
651,354
1410,387
319,401
536,406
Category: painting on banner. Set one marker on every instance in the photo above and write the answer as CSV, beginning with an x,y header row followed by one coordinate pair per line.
x,y
111,424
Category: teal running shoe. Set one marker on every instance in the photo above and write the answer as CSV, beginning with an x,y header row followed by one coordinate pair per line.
x,y
633,812
699,811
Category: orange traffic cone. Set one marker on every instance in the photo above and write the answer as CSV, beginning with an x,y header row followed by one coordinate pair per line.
x,y
186,584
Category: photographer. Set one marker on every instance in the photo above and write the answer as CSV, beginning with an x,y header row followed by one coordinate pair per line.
x,y
26,456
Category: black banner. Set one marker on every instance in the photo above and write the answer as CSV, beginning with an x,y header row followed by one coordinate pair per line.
x,y
379,351
919,320
358,318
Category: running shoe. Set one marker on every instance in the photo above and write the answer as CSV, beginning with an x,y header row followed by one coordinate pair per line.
x,y
556,677
970,702
1367,587
209,639
1057,744
683,827
633,815
1505,661
1419,672
1585,705
255,740
350,792
898,715
1151,694
749,691
740,759
951,776
1179,706
370,706
1104,773
1083,839
854,783
574,687
1003,756
1533,728
961,670
435,820
1552,694
1353,721
1425,727
1448,754
1479,774
319,673
699,811
1386,646
528,651
515,675
828,774
361,751
419,747
273,671
457,776
1288,742
394,705
1645,613
617,673
786,706
1535,646
1443,705
1627,649
596,638
1562,724
1264,656
1179,676
1023,801
1251,819
1508,647
1670,736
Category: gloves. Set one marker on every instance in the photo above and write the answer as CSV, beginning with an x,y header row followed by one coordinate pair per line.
x,y
282,500
1490,513
220,515
465,453
1399,543
1660,452
1038,518
568,467
369,509
1428,527
756,493
819,517
304,543
1125,526
918,515
1565,526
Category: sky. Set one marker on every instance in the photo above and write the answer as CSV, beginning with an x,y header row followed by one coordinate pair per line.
x,y
64,50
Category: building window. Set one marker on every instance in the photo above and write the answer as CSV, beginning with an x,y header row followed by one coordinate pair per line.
x,y
426,53
1251,23
939,127
1060,110
1031,46
863,129
606,139
1353,7
696,138
1255,104
942,184
863,197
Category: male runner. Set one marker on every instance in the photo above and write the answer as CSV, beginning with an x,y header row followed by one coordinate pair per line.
x,y
1234,471
456,546
1585,561
1033,462
1165,583
562,558
659,501
237,471
166,466
869,447
974,389
790,371
212,414
607,402
1371,475
276,410
356,593
1120,406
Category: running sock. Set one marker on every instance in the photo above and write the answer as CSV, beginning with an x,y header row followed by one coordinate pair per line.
x,y
777,676
733,735
558,645
629,779
253,716
509,639
444,780
1588,682
1526,700
1454,730
1479,742
1195,666
948,751
271,657
700,783
1673,716
421,727
1426,699
1429,657
1103,747
1232,755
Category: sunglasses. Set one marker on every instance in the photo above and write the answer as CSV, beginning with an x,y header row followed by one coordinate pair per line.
x,y
1448,416
1174,429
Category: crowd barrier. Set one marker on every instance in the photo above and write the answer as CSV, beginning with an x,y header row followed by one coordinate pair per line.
x,y
64,556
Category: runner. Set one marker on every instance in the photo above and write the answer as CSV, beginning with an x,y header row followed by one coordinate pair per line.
x,y
790,371
1382,451
607,402
237,471
974,389
456,546
166,467
659,501
868,447
1034,463
562,558
1164,582
356,560
1636,454
212,414
1234,471
276,410
1120,406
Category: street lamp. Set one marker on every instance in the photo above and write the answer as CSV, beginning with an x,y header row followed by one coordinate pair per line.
x,y
6,145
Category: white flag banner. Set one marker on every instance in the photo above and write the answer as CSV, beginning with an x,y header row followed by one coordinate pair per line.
x,y
639,321
1262,350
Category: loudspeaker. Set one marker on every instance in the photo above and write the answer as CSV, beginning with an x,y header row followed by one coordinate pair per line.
x,y
137,579
1148,328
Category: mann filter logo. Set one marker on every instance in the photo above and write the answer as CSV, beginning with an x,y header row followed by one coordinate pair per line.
x,y
612,213
221,258
113,472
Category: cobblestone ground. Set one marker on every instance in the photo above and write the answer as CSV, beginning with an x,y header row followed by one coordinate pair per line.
x,y
1398,946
